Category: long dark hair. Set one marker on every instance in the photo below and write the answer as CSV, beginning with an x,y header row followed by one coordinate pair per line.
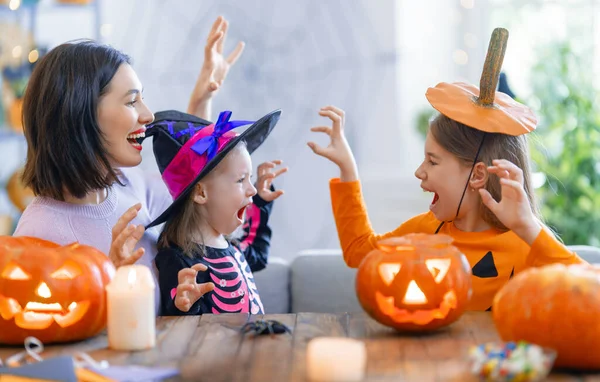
x,y
65,147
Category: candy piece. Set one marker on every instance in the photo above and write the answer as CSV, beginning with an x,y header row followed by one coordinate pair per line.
x,y
511,361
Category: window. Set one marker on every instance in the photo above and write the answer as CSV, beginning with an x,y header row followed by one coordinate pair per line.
x,y
533,25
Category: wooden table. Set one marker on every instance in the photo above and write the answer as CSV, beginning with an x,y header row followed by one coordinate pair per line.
x,y
211,348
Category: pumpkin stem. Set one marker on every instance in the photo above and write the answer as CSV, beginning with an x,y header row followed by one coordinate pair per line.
x,y
492,67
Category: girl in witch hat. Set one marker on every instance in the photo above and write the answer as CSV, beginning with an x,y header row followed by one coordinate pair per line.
x,y
476,166
207,169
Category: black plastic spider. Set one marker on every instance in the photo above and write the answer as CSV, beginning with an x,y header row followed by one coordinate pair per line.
x,y
263,327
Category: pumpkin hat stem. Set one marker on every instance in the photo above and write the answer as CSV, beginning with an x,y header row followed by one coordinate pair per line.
x,y
487,90
491,68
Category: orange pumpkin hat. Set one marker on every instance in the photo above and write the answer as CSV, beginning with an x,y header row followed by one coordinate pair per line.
x,y
484,108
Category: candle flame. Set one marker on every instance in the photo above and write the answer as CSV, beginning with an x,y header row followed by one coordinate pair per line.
x,y
131,277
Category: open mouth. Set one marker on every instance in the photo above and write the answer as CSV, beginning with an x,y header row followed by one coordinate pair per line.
x,y
38,316
240,213
420,317
135,139
436,197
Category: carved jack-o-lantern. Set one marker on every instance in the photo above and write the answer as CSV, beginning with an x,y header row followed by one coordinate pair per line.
x,y
50,292
416,282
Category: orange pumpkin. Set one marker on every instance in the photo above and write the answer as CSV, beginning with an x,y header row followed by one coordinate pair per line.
x,y
51,292
18,194
416,282
554,306
15,114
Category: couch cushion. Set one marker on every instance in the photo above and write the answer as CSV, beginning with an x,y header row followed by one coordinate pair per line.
x,y
273,284
589,253
322,283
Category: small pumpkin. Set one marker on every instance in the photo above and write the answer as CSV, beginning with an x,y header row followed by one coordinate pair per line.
x,y
554,306
55,293
18,194
15,114
417,282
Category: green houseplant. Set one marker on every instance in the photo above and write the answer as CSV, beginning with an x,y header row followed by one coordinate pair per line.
x,y
567,148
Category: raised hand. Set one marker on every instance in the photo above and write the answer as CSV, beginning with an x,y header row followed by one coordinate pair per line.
x,y
188,290
214,69
514,209
338,151
266,174
125,236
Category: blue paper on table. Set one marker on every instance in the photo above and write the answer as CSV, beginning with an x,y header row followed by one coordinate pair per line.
x,y
134,373
55,369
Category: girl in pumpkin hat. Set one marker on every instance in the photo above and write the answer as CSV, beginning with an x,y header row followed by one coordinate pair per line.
x,y
476,166
207,169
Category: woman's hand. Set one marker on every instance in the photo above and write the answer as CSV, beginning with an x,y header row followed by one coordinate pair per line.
x,y
125,236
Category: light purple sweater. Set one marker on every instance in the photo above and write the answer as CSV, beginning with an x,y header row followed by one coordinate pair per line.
x,y
65,223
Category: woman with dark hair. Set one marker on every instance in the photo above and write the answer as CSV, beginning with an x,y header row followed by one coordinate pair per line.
x,y
83,114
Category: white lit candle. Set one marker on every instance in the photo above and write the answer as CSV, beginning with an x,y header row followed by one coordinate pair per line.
x,y
336,359
131,322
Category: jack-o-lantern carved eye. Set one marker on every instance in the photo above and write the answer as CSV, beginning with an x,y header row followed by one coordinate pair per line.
x,y
14,272
68,271
438,268
388,272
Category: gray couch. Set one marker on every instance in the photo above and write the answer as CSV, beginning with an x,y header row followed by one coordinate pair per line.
x,y
320,281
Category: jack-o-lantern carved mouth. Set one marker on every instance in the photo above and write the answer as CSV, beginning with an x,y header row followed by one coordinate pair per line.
x,y
39,316
419,317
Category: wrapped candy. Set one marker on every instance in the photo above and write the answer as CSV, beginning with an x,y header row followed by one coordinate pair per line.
x,y
511,361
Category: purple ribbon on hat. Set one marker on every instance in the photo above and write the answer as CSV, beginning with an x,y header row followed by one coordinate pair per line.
x,y
210,144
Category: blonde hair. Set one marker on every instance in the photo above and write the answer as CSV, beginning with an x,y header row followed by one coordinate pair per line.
x,y
175,232
463,142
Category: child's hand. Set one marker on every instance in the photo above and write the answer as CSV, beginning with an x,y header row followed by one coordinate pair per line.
x,y
188,290
514,210
265,178
214,69
124,238
338,151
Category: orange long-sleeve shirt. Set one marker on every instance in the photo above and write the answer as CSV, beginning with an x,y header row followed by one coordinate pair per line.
x,y
495,256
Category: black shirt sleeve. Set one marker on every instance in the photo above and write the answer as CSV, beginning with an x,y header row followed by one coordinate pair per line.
x,y
256,242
